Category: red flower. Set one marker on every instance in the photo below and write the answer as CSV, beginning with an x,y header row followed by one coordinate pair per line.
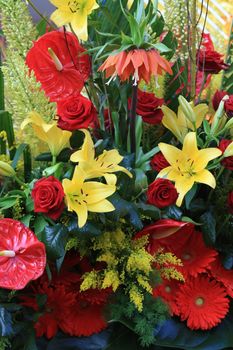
x,y
148,107
222,275
139,64
162,193
76,112
229,106
22,255
230,202
167,290
217,98
164,228
48,197
227,162
59,64
159,162
210,61
202,302
196,257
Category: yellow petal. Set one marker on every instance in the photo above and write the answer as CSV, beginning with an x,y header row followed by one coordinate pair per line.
x,y
97,191
170,122
205,177
190,145
81,211
164,172
103,206
204,156
111,179
61,17
200,112
87,152
79,26
171,153
182,188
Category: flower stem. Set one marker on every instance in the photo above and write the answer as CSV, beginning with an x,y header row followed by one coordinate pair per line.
x,y
193,48
40,14
132,117
20,182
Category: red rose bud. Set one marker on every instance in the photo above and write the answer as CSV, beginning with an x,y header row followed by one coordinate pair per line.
x,y
217,98
76,112
230,202
48,197
210,61
59,64
228,161
148,107
229,106
159,162
162,193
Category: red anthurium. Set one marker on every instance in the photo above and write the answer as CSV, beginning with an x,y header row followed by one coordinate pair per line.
x,y
22,255
161,229
59,64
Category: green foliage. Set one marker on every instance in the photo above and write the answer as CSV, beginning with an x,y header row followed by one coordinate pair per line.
x,y
142,323
4,343
227,79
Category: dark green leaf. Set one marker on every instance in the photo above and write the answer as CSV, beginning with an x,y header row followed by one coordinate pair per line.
x,y
209,227
55,239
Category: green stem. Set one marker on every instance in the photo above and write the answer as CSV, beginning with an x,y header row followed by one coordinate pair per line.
x,y
40,14
20,182
54,161
132,117
193,48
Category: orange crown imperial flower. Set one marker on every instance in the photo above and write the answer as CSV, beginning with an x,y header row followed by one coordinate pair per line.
x,y
141,64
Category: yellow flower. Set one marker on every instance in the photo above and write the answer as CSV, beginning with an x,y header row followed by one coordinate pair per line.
x,y
104,164
74,12
188,118
82,196
187,166
56,138
229,150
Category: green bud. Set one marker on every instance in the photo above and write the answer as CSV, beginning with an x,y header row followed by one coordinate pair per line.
x,y
6,169
187,109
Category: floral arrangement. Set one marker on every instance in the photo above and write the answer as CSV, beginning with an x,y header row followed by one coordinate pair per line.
x,y
116,196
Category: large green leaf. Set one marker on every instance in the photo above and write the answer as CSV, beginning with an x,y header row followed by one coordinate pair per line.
x,y
55,239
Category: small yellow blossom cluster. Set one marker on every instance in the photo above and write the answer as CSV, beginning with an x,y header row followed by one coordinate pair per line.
x,y
167,263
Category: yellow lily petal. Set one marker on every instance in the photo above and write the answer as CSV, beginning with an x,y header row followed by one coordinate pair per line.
x,y
170,122
171,153
205,177
182,188
164,172
97,191
205,156
81,211
200,112
190,144
111,179
101,207
87,152
61,17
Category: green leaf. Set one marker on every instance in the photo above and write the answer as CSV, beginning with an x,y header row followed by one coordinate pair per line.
x,y
39,224
190,195
161,47
8,202
141,182
26,219
18,154
55,239
41,27
209,227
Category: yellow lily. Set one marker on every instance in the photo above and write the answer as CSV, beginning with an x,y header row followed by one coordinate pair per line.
x,y
81,196
189,117
187,166
56,138
74,12
103,165
228,151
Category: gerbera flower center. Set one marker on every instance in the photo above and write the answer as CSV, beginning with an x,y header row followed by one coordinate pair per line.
x,y
186,256
200,301
168,289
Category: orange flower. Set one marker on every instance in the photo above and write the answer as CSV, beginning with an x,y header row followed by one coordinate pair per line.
x,y
138,63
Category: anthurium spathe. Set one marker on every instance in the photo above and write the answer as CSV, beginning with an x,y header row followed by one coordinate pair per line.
x,y
22,255
188,166
74,12
188,118
81,196
56,138
103,165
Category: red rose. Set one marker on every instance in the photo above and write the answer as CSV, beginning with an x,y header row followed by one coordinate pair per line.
x,y
210,61
76,112
147,107
65,74
159,162
228,161
162,193
48,197
230,202
217,98
229,106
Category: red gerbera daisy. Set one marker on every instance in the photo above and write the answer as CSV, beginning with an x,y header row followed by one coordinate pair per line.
x,y
196,257
59,64
167,290
202,302
222,275
138,63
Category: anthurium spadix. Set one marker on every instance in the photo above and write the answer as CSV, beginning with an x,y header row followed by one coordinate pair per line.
x,y
188,166
103,165
55,138
82,196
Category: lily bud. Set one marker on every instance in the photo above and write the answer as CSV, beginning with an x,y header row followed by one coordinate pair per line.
x,y
6,169
218,117
187,109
